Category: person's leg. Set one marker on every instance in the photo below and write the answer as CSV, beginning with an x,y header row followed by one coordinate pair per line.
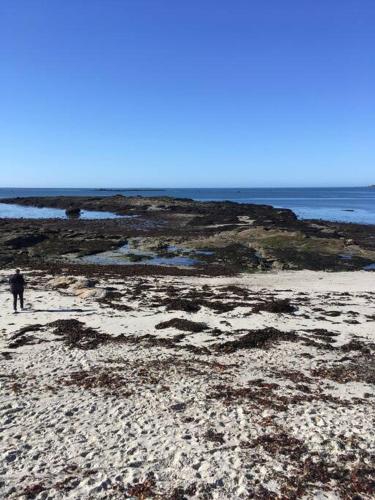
x,y
14,301
21,299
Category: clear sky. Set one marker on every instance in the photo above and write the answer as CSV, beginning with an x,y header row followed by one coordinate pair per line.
x,y
210,93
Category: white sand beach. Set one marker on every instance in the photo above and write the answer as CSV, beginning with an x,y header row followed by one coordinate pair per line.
x,y
253,404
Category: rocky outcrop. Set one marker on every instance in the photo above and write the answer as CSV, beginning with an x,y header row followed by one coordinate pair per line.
x,y
24,241
202,213
61,282
223,236
83,288
91,293
73,212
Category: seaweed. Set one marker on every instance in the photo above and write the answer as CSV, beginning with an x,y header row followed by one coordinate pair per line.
x,y
283,444
181,305
275,306
352,372
142,491
256,339
182,324
216,437
19,339
32,490
76,335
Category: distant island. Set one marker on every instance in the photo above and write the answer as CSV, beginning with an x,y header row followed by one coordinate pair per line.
x,y
128,190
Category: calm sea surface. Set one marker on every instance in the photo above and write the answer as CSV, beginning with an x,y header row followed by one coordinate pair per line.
x,y
337,204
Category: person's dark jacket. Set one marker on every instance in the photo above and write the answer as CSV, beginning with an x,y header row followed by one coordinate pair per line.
x,y
17,283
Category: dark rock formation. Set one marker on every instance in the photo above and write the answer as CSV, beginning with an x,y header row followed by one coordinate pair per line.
x,y
223,236
73,212
24,241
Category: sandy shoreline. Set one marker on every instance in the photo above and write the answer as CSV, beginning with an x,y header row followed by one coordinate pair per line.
x,y
150,412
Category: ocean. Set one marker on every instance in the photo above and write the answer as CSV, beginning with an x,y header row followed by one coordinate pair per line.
x,y
336,204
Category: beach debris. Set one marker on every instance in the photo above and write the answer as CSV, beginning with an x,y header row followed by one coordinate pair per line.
x,y
126,378
275,306
142,491
111,381
283,444
32,490
236,290
77,335
332,314
220,306
360,371
20,338
358,345
73,332
178,407
294,376
6,355
156,341
195,301
348,476
114,300
182,324
322,332
216,437
182,305
255,339
260,394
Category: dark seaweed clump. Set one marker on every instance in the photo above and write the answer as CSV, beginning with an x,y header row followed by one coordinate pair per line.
x,y
72,332
215,437
256,338
182,324
76,335
110,381
352,372
182,305
275,306
282,443
349,476
196,301
20,338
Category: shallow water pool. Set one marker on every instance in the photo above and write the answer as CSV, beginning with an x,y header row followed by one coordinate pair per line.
x,y
8,211
128,255
107,259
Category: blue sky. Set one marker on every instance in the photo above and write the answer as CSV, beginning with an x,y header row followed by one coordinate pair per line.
x,y
211,93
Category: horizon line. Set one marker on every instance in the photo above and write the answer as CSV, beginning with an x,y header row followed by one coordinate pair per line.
x,y
130,188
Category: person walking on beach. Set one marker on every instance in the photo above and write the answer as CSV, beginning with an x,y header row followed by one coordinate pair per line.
x,y
17,287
